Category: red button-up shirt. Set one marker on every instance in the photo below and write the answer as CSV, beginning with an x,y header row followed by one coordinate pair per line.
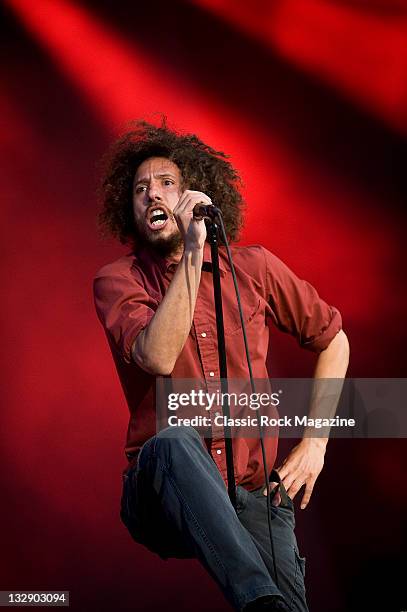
x,y
127,294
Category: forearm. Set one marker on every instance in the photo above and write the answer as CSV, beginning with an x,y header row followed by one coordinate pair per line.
x,y
329,373
159,345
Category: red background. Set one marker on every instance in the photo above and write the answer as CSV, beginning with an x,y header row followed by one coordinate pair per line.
x,y
310,100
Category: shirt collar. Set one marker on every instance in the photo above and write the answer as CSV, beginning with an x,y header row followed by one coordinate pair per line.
x,y
149,258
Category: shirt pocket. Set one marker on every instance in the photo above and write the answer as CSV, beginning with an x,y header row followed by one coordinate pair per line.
x,y
251,312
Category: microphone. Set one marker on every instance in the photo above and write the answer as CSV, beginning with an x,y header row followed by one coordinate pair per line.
x,y
205,211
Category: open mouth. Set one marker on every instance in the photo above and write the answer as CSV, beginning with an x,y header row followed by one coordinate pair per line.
x,y
157,218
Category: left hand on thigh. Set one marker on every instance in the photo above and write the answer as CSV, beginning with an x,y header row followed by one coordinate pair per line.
x,y
302,467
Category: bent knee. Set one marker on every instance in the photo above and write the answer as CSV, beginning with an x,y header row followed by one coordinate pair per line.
x,y
177,433
178,441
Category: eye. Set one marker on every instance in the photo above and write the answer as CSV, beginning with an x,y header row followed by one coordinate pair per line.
x,y
140,188
168,182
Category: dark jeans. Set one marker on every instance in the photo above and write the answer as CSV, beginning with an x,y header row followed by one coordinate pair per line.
x,y
176,504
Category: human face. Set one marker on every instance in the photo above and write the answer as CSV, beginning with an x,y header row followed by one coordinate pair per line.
x,y
157,188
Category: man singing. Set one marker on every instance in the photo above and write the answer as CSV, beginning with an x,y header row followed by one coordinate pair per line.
x,y
156,306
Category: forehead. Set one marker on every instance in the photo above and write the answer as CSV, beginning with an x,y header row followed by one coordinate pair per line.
x,y
154,166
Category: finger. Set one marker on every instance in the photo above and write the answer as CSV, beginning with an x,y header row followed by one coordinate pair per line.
x,y
186,208
307,495
282,471
271,487
276,500
182,198
189,199
294,488
180,205
288,480
198,199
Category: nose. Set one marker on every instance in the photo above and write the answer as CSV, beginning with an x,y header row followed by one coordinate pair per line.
x,y
154,193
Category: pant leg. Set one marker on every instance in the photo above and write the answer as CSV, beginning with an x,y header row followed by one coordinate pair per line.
x,y
252,514
176,496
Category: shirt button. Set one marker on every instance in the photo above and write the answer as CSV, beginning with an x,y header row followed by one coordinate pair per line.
x,y
219,452
217,413
211,373
203,334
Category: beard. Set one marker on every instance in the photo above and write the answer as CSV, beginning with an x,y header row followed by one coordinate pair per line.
x,y
165,247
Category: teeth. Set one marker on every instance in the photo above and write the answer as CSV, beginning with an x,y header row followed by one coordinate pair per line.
x,y
156,212
158,222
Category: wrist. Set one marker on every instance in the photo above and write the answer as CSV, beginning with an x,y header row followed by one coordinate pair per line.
x,y
316,442
193,251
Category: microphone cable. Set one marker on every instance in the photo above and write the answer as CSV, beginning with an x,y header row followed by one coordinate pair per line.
x,y
249,365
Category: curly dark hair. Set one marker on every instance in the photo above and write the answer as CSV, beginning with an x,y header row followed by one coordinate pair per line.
x,y
202,169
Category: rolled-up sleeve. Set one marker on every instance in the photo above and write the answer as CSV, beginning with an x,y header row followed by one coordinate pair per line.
x,y
124,309
297,309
